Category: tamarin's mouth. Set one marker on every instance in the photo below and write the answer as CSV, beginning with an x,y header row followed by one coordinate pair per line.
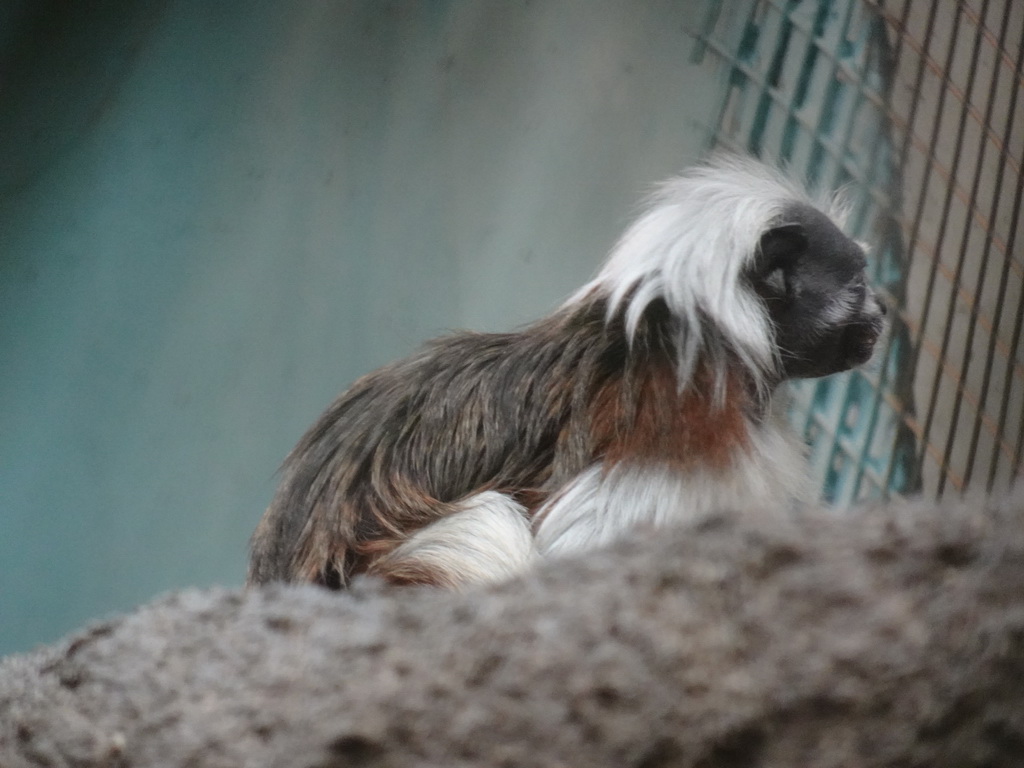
x,y
859,340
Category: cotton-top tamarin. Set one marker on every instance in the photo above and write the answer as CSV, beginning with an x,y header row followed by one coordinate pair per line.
x,y
646,398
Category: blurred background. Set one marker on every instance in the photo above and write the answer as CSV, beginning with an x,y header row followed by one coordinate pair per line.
x,y
215,216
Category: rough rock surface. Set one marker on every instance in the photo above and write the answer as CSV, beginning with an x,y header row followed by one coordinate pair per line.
x,y
887,637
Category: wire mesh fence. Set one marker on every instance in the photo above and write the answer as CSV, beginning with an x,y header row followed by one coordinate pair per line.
x,y
962,136
915,108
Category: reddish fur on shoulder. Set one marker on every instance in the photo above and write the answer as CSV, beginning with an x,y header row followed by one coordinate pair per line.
x,y
651,420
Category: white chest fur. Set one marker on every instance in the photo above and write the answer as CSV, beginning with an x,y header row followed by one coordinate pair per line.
x,y
603,503
489,537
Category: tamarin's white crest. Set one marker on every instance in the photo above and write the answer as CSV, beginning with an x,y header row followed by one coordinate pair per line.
x,y
645,399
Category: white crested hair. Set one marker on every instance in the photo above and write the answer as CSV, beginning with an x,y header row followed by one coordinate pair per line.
x,y
689,247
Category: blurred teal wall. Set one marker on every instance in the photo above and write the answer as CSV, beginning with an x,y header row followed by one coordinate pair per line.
x,y
215,215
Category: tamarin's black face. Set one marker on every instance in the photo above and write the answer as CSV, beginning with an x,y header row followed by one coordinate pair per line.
x,y
812,278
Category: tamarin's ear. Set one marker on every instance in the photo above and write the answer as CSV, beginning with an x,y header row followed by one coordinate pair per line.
x,y
777,254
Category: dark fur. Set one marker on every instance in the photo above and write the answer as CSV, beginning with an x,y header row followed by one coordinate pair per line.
x,y
508,412
806,284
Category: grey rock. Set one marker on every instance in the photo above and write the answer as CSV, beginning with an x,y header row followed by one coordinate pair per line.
x,y
887,636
